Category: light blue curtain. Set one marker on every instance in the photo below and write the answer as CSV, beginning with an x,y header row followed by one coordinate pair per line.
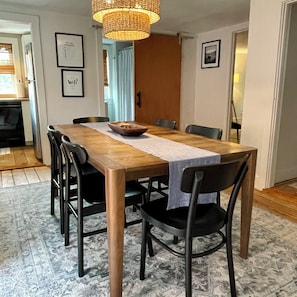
x,y
126,84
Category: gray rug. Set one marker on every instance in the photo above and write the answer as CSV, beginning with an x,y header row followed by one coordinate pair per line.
x,y
35,262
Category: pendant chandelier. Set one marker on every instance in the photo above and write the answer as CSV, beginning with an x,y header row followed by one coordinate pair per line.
x,y
126,19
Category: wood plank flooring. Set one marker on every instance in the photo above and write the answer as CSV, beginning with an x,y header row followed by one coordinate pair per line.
x,y
18,157
19,166
280,200
16,177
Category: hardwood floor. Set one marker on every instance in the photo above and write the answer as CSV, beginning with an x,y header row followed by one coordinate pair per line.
x,y
281,199
19,166
16,177
18,157
25,169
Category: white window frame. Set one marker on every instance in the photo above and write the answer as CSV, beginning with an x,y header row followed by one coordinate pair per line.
x,y
15,41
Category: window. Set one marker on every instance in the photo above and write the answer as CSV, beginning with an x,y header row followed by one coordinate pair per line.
x,y
7,71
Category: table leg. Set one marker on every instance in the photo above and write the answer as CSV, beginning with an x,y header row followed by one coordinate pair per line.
x,y
247,195
115,200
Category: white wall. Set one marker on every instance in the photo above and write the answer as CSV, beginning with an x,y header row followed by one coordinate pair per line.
x,y
64,109
261,88
286,165
53,108
261,100
205,94
262,94
188,81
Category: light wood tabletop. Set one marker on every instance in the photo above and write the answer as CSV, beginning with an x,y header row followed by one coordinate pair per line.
x,y
120,162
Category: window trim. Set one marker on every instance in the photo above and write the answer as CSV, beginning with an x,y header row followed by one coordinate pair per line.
x,y
16,49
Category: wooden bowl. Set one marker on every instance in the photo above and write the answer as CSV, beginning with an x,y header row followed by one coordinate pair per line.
x,y
127,129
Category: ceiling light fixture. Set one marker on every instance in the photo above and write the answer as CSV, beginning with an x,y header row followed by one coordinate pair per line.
x,y
126,19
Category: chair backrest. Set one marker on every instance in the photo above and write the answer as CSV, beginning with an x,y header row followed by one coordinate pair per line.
x,y
50,128
215,133
54,137
90,120
214,178
86,175
166,123
77,153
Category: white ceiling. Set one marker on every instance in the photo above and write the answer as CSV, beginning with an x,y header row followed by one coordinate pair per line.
x,y
192,16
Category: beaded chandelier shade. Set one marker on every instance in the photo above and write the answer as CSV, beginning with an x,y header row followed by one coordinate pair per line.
x,y
126,19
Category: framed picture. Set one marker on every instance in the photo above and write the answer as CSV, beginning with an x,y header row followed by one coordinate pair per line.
x,y
70,50
211,54
72,83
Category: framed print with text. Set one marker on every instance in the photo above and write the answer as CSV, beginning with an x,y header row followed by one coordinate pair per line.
x,y
72,83
70,50
210,57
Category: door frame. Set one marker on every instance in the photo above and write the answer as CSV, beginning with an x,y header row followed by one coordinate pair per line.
x,y
278,91
231,82
33,21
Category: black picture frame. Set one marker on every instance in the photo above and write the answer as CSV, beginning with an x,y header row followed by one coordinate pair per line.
x,y
69,50
72,83
210,57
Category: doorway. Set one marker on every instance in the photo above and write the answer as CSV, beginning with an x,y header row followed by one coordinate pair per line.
x,y
18,36
156,93
238,84
158,78
31,25
118,79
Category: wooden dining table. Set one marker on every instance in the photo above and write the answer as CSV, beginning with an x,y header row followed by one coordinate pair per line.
x,y
120,162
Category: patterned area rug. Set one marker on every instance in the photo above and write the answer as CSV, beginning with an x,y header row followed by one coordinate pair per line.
x,y
35,262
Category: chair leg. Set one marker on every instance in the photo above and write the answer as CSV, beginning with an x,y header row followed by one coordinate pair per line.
x,y
219,198
62,202
80,243
53,194
188,267
150,246
175,239
149,190
230,260
125,220
159,186
66,221
143,248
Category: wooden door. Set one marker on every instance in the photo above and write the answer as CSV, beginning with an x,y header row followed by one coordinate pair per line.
x,y
157,78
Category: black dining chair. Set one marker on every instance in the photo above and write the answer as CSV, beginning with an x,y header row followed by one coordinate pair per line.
x,y
215,133
171,124
90,194
55,183
196,220
58,172
90,120
209,132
